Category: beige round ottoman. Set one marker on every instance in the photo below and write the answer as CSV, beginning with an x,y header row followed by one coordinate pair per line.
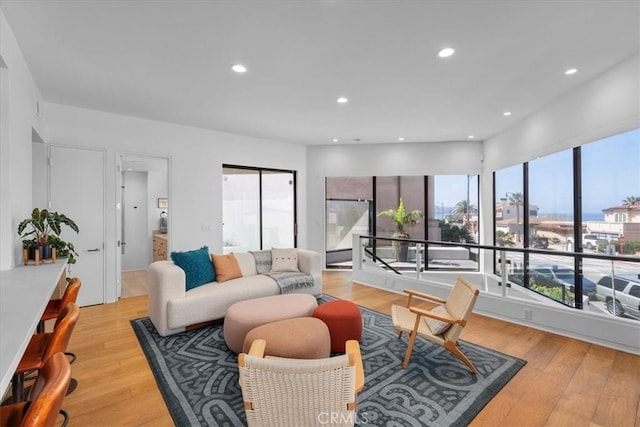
x,y
245,315
298,338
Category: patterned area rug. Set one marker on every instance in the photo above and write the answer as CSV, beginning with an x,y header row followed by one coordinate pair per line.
x,y
198,377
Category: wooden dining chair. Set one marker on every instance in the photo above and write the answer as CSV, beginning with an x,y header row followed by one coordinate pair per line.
x,y
441,325
45,399
42,346
54,306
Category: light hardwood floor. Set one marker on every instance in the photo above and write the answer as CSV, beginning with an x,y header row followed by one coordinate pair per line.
x,y
565,382
134,283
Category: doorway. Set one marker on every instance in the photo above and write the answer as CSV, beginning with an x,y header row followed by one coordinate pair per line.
x,y
143,218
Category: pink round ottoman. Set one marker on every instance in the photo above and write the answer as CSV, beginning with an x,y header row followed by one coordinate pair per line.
x,y
245,315
344,321
298,338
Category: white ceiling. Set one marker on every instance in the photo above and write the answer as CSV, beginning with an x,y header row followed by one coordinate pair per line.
x,y
170,61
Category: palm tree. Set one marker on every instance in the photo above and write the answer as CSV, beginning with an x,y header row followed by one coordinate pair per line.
x,y
464,209
516,199
504,239
631,200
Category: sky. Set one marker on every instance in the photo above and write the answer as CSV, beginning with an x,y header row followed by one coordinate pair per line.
x,y
610,174
451,189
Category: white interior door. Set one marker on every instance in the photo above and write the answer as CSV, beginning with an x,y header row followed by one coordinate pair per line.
x,y
136,254
76,188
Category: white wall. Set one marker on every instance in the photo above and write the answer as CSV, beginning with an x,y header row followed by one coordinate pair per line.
x,y
439,158
196,159
605,106
19,95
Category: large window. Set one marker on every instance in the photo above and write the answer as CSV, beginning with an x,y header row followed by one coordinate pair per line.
x,y
582,200
258,208
438,208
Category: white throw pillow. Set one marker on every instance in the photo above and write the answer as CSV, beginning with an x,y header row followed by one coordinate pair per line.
x,y
284,259
437,326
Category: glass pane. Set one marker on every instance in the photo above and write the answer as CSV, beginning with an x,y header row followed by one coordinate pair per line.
x,y
551,202
240,210
390,222
509,202
612,287
553,277
349,188
389,191
611,195
455,199
344,219
509,219
277,209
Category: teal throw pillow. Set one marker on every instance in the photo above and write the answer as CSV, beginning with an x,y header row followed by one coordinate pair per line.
x,y
197,266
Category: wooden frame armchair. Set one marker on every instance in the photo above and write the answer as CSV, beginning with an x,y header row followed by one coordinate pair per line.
x,y
441,325
294,392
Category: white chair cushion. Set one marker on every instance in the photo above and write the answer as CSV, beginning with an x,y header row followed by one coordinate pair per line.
x,y
437,326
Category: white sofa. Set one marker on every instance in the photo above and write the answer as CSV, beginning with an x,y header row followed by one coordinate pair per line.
x,y
172,308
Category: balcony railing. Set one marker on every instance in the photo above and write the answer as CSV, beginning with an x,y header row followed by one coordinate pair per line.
x,y
576,280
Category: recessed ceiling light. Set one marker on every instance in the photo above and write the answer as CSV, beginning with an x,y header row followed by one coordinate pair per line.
x,y
446,52
506,113
342,100
471,136
335,140
571,71
239,68
401,139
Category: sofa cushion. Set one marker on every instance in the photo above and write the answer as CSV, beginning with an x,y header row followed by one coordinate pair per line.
x,y
197,266
247,263
284,259
226,267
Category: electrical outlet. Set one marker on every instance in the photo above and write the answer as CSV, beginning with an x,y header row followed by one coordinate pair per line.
x,y
527,314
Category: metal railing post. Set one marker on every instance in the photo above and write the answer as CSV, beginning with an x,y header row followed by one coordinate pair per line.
x,y
418,261
503,272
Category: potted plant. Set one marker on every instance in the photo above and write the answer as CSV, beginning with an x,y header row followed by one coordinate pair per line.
x,y
401,217
41,232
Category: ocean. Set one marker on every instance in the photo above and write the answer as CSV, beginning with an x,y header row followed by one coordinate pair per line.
x,y
586,216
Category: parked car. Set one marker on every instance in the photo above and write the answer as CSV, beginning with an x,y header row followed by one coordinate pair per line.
x,y
590,241
557,275
627,294
539,242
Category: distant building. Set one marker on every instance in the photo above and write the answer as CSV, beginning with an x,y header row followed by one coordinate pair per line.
x,y
618,221
505,210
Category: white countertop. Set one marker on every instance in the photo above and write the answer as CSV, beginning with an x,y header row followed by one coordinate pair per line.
x,y
24,293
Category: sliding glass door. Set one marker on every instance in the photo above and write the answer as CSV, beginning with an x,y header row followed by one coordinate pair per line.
x,y
258,208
